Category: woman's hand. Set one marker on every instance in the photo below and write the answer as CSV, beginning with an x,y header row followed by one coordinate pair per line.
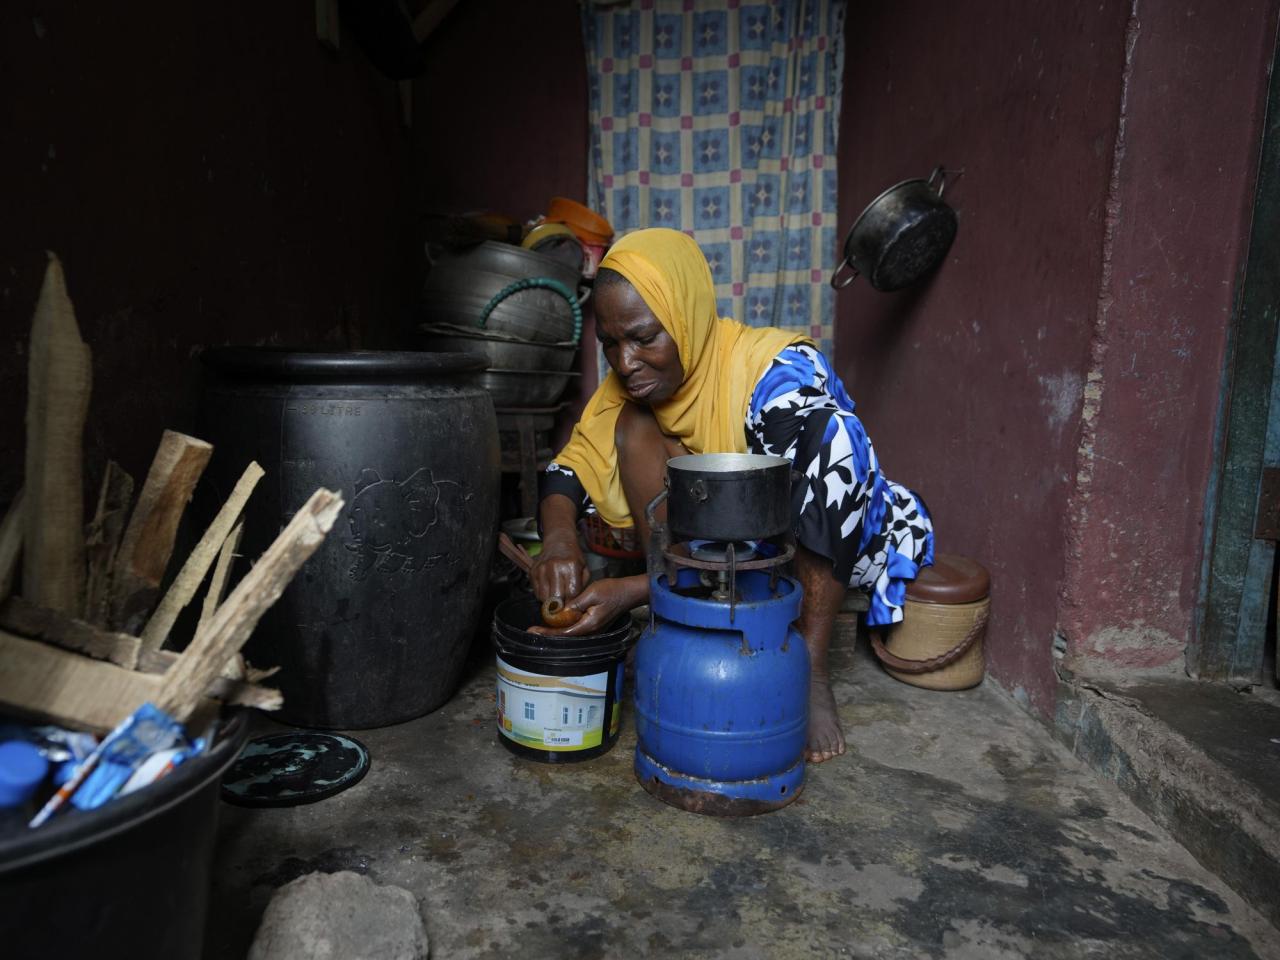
x,y
601,603
560,570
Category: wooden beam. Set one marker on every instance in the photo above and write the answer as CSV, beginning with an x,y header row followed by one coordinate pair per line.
x,y
102,540
202,661
406,103
147,543
327,30
425,23
59,379
10,545
197,564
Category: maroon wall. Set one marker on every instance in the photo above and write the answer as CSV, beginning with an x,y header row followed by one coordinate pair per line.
x,y
501,115
207,174
1077,272
970,385
1181,204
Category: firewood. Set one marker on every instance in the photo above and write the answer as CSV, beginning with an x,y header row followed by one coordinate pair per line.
x,y
58,383
221,574
148,539
193,571
10,545
102,540
74,691
230,627
25,619
40,623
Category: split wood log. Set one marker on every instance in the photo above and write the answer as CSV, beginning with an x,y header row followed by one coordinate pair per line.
x,y
221,573
10,545
217,590
59,380
102,540
20,616
230,627
147,543
193,571
83,694
40,623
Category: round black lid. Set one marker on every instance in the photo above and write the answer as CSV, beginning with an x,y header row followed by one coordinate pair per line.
x,y
287,769
274,363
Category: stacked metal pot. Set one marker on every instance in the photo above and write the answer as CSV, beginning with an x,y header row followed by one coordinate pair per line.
x,y
518,307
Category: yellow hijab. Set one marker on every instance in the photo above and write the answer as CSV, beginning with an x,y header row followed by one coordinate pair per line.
x,y
722,361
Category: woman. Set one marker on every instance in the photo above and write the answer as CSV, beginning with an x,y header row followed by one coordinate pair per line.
x,y
686,381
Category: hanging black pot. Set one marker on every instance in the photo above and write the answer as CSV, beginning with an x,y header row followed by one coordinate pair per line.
x,y
901,235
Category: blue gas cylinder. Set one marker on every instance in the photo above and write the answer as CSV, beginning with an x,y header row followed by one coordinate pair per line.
x,y
722,696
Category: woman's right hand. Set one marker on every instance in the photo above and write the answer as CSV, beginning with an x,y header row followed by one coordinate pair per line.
x,y
560,570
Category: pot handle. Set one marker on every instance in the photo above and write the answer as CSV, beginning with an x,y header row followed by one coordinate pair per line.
x,y
940,174
839,284
652,508
547,283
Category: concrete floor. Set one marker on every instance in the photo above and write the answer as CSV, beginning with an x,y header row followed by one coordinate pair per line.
x,y
956,827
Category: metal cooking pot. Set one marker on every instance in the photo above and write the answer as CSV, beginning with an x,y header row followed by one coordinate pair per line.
x,y
728,496
501,352
901,235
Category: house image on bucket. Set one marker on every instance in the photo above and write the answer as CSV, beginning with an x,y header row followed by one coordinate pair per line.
x,y
550,712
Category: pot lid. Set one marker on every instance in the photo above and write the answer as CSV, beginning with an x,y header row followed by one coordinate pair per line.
x,y
274,363
287,769
951,579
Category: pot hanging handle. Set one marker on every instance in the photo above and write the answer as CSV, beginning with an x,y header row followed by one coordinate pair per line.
x,y
940,175
836,282
846,262
530,283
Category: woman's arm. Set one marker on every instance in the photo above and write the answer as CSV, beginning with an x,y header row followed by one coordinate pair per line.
x,y
560,570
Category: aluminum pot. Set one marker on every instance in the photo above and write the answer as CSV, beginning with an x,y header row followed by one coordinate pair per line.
x,y
728,496
901,235
500,352
525,388
461,284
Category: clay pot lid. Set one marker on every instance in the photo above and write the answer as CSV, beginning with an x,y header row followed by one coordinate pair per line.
x,y
951,579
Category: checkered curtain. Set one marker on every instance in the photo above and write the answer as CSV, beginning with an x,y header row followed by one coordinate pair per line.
x,y
719,119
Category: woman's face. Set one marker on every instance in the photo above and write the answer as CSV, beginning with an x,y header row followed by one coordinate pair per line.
x,y
637,345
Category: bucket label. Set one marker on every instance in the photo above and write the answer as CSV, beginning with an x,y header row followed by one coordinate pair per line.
x,y
552,713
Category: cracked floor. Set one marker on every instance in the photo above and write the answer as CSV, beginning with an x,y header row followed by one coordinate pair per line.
x,y
955,827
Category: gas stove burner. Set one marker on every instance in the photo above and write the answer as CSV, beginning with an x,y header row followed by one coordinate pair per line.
x,y
718,562
717,551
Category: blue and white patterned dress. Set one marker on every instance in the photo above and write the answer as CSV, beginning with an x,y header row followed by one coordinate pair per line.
x,y
876,533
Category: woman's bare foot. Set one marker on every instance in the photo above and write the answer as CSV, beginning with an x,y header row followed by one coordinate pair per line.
x,y
826,739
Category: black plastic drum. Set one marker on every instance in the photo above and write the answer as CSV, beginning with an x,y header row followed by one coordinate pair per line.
x,y
375,628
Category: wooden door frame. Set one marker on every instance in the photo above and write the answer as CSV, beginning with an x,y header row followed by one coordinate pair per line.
x,y
1235,582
